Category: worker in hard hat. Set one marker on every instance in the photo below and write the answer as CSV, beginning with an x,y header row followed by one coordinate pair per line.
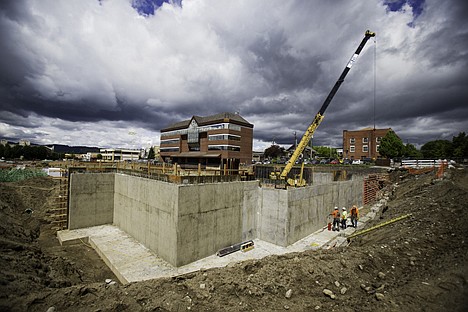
x,y
344,218
354,215
336,219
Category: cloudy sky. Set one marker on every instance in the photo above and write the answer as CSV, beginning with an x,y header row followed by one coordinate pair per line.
x,y
111,73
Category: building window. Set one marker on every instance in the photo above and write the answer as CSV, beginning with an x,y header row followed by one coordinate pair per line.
x,y
220,137
168,149
170,141
224,147
352,141
365,148
229,126
365,140
352,149
378,139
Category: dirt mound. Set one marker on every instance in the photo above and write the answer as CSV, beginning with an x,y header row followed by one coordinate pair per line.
x,y
416,264
31,257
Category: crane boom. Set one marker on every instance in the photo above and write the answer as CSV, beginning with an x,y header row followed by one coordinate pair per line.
x,y
319,117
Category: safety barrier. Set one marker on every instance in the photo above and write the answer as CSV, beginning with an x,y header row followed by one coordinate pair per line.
x,y
422,163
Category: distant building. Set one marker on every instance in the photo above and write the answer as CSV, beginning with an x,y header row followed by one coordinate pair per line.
x,y
23,142
364,143
257,156
110,154
307,153
223,140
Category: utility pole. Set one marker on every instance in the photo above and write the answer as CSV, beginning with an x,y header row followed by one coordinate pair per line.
x,y
295,140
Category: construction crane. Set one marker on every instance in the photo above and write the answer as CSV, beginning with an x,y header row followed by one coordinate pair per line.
x,y
299,181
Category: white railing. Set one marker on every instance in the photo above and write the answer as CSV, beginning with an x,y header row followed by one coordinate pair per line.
x,y
422,163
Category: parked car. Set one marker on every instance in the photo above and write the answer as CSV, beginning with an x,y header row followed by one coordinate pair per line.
x,y
367,161
357,162
324,161
347,161
334,162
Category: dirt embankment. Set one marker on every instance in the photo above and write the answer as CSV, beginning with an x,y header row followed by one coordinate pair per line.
x,y
417,264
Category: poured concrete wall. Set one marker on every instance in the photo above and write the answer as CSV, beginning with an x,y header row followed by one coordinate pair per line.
x,y
91,200
308,208
210,217
184,223
147,210
273,216
286,216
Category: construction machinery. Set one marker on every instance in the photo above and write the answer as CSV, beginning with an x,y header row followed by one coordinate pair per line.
x,y
298,180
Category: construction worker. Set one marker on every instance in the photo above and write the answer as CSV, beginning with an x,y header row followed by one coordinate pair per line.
x,y
354,216
344,218
336,219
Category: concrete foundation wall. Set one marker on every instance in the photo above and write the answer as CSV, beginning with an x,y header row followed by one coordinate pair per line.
x,y
91,200
184,223
308,208
273,216
286,216
147,210
210,217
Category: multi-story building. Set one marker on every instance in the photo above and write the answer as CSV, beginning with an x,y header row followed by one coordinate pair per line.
x,y
364,143
110,154
223,140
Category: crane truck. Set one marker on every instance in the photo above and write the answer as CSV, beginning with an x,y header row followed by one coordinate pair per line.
x,y
299,181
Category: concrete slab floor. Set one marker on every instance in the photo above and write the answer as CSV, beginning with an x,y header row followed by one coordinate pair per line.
x,y
131,261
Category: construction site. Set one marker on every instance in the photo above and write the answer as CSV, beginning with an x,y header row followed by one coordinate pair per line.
x,y
203,232
132,249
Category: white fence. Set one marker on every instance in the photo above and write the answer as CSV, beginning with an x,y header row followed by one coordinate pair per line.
x,y
423,163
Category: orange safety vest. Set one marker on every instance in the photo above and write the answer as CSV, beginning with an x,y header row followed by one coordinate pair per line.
x,y
354,211
335,214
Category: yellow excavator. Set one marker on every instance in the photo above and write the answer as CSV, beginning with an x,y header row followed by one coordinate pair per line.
x,y
298,179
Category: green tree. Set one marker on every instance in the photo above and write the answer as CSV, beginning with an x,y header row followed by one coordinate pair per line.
x,y
274,151
151,154
460,145
17,151
411,151
325,151
7,153
391,146
437,149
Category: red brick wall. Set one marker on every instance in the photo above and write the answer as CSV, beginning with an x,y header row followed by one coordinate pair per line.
x,y
359,137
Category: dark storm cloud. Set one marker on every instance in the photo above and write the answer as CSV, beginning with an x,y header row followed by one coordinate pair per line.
x,y
279,67
81,72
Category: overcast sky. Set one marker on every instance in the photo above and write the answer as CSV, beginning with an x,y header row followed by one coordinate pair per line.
x,y
111,73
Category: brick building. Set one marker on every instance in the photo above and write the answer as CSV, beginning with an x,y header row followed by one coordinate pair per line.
x,y
364,143
223,141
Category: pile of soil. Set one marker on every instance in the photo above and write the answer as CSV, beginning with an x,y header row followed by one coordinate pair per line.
x,y
417,264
